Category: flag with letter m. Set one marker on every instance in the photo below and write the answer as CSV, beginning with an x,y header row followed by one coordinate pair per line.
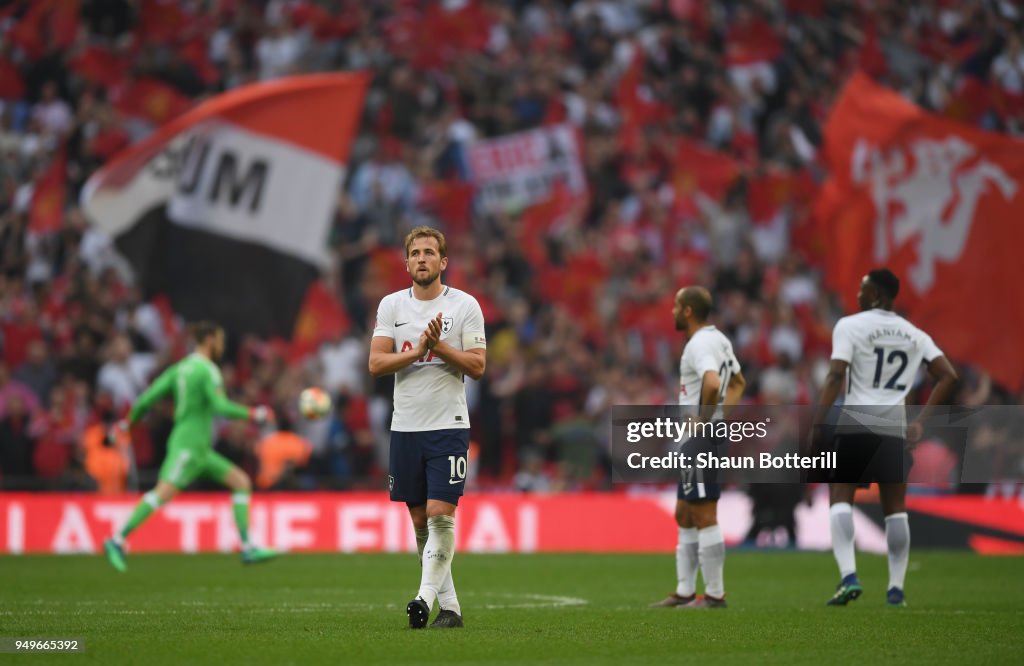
x,y
226,209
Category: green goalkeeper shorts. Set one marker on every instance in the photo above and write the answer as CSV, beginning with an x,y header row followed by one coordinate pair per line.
x,y
184,466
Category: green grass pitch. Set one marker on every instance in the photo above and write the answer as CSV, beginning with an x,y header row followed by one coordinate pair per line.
x,y
536,609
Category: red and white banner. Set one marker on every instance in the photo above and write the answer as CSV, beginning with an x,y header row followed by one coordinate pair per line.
x,y
368,522
522,169
486,523
227,207
939,203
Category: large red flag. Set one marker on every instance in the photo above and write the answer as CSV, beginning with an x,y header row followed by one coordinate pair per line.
x,y
939,203
227,207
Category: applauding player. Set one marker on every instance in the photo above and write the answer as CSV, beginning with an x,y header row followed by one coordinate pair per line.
x,y
430,336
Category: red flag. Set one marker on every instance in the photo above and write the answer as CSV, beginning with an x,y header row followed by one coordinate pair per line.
x,y
563,208
161,21
635,103
47,210
64,22
703,169
440,33
971,100
153,100
196,52
450,200
937,202
321,23
258,207
11,84
751,40
28,32
320,318
99,65
769,192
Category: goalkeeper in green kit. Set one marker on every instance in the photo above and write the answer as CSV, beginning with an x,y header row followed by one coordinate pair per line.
x,y
198,396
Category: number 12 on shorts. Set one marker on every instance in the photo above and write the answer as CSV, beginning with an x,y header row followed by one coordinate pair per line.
x,y
458,465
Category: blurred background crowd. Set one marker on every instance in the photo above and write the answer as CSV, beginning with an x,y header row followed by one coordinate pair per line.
x,y
577,292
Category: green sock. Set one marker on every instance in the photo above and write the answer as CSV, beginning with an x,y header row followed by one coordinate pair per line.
x,y
146,506
240,504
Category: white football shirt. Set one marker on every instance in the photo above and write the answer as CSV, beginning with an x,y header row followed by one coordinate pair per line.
x,y
884,351
707,350
430,394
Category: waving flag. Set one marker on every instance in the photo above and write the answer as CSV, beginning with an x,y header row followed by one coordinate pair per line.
x,y
226,209
939,203
46,212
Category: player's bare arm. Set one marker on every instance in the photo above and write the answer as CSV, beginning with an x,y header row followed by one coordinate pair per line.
x,y
472,362
709,392
733,392
384,360
829,394
946,379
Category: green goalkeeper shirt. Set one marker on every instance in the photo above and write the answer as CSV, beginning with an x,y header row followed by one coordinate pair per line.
x,y
198,396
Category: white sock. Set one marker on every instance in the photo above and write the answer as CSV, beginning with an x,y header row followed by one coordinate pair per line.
x,y
437,557
711,552
897,538
686,562
841,521
447,599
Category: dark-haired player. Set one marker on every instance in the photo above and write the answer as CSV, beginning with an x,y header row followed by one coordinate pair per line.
x,y
875,355
709,378
198,391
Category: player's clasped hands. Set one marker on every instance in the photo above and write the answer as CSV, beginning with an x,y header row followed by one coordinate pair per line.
x,y
432,333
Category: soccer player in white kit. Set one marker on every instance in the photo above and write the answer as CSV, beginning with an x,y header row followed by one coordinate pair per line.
x,y
875,355
709,378
431,336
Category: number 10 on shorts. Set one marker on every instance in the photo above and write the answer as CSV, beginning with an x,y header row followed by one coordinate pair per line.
x,y
458,465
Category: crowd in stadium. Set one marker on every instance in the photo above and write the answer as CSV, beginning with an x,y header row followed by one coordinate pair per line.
x,y
577,292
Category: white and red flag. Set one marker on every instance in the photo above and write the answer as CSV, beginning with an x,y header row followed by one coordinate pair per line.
x,y
939,203
226,209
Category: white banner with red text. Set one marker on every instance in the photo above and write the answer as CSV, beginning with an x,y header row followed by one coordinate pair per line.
x,y
486,523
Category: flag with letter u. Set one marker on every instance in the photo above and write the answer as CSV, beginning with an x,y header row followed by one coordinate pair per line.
x,y
226,209
939,203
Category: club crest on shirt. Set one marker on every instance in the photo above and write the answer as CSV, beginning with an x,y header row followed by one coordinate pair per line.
x,y
446,324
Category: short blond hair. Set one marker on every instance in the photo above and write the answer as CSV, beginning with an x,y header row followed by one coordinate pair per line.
x,y
426,232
